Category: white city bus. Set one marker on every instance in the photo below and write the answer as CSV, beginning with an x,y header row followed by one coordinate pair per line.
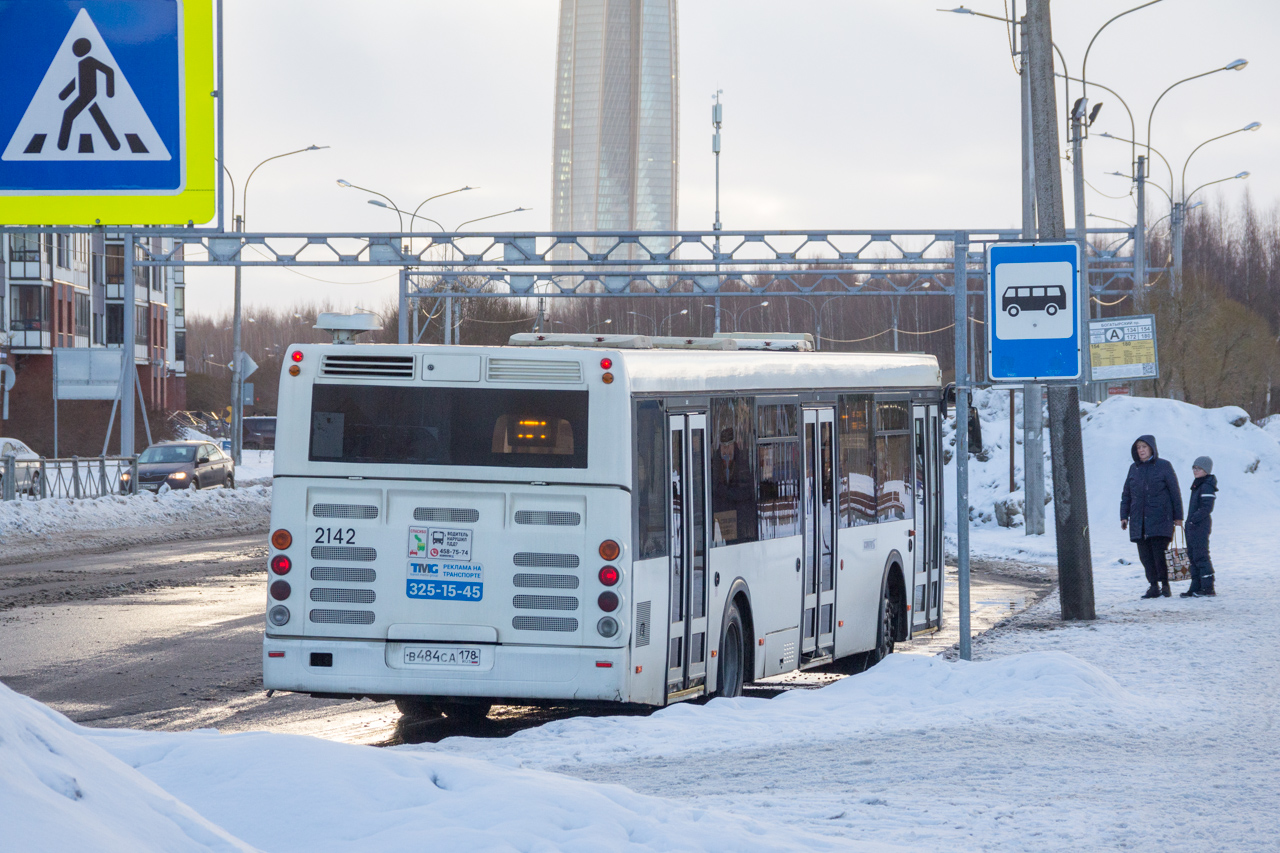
x,y
616,518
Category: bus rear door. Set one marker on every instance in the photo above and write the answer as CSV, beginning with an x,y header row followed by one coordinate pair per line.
x,y
926,599
818,617
687,631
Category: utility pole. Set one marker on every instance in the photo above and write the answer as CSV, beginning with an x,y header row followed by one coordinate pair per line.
x,y
1070,504
237,369
1177,226
1140,235
1079,126
717,116
129,367
1032,392
960,281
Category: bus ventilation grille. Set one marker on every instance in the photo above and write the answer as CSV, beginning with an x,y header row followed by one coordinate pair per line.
x,y
343,552
543,623
343,575
381,366
440,513
343,617
545,602
343,596
537,516
534,370
546,581
344,511
643,615
527,560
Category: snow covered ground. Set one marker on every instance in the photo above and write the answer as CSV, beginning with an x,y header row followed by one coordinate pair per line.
x,y
1152,728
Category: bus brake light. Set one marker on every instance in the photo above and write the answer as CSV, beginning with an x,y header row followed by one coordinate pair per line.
x,y
296,355
606,363
280,590
608,576
608,601
280,564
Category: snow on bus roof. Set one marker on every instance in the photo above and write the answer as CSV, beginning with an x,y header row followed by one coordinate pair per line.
x,y
708,371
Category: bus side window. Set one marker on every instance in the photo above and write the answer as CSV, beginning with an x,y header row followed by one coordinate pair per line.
x,y
651,481
778,471
894,486
733,478
857,472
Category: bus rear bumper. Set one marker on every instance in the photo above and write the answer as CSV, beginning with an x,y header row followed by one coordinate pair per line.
x,y
375,668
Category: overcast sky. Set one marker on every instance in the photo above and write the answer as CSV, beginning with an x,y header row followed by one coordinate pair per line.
x,y
839,114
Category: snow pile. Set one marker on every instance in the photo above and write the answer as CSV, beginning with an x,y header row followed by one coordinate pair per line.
x,y
58,791
29,527
255,468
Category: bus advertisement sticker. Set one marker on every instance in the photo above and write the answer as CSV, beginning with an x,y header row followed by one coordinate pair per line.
x,y
445,581
438,543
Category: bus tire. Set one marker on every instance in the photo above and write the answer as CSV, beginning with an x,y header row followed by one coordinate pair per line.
x,y
1013,310
732,666
885,629
465,712
414,708
1051,309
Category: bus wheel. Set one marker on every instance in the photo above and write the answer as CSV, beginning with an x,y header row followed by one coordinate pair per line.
x,y
414,708
466,712
1051,309
1013,310
884,634
729,676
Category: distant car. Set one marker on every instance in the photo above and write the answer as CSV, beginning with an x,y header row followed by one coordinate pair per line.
x,y
27,472
182,465
259,433
1050,299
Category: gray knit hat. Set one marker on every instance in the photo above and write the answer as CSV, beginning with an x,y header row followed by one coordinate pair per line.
x,y
1204,463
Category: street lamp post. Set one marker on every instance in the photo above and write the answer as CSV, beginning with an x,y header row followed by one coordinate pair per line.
x,y
741,312
237,368
669,316
650,319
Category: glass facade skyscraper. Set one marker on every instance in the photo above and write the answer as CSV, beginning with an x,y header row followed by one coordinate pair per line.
x,y
616,125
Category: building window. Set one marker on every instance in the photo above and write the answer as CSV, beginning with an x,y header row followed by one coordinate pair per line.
x,y
141,318
179,302
64,250
179,346
30,308
83,314
24,248
115,323
114,263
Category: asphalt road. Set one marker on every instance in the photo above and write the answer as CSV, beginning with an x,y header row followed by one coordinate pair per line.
x,y
169,637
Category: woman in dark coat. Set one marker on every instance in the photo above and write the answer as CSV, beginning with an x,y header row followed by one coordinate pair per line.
x,y
1150,508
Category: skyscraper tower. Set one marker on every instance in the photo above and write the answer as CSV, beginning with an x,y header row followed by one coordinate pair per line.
x,y
616,125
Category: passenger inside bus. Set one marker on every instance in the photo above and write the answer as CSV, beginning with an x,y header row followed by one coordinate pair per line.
x,y
733,497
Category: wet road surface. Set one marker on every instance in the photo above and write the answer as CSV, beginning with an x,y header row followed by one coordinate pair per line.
x,y
169,637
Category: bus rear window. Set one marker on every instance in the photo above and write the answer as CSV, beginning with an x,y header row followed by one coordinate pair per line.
x,y
505,428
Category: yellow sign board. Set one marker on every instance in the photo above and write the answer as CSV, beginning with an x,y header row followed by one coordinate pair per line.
x,y
108,116
1123,348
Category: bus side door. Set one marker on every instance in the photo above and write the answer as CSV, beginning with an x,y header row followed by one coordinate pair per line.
x,y
926,596
687,629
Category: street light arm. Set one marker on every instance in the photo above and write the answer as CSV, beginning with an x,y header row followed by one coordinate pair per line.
x,y
392,205
492,215
1253,126
227,172
1239,177
1084,66
245,198
1237,64
1151,150
432,198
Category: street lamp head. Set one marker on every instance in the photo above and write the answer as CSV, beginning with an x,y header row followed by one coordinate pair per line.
x,y
1195,205
315,147
766,302
1236,65
685,311
376,203
1242,176
959,10
1253,125
1117,174
343,183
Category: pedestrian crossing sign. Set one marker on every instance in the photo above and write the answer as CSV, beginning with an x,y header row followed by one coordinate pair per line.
x,y
106,113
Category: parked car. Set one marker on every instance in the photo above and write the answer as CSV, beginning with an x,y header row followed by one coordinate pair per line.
x,y
259,433
26,464
182,465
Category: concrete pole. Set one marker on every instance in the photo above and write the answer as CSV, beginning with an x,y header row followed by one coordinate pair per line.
x,y
1032,414
127,393
961,276
402,335
237,371
1140,237
1070,504
1179,229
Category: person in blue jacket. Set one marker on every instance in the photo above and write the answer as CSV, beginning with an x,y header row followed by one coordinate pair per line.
x,y
1150,508
1204,492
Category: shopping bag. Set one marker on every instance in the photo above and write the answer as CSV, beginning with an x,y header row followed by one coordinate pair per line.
x,y
1178,560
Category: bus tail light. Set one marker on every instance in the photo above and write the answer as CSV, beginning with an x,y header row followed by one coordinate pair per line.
x,y
281,539
294,370
608,601
606,378
280,590
280,564
609,550
607,627
296,355
609,576
279,615
606,363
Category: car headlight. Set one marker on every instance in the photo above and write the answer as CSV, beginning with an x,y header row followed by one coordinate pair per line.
x,y
178,475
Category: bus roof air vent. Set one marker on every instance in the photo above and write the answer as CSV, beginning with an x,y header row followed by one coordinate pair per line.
x,y
538,339
772,341
344,327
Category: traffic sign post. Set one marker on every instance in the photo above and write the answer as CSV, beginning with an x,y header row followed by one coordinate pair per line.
x,y
1033,327
106,114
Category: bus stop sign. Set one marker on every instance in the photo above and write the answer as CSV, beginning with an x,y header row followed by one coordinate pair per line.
x,y
1033,325
106,115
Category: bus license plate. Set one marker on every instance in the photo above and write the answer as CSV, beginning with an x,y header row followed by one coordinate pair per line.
x,y
441,656
445,590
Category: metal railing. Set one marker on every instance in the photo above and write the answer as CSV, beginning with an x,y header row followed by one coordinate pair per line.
x,y
76,477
